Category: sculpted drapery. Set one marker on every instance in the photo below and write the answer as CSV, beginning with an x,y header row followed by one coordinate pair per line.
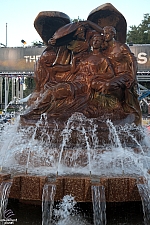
x,y
84,69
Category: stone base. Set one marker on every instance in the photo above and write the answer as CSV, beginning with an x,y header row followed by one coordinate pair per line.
x,y
30,188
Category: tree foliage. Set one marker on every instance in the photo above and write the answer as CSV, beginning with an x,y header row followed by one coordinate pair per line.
x,y
30,86
76,20
141,33
38,43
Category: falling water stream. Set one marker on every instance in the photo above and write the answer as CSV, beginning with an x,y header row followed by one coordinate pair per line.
x,y
21,151
144,191
77,122
48,195
66,212
4,195
99,204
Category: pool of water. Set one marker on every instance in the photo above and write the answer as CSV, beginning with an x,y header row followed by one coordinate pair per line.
x,y
129,213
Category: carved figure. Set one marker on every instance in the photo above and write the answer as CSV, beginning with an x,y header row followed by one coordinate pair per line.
x,y
84,71
73,93
124,64
42,72
76,36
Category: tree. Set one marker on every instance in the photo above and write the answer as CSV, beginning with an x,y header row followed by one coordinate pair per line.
x,y
141,33
30,86
76,20
38,44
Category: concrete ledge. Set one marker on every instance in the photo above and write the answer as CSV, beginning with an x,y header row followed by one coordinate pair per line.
x,y
30,188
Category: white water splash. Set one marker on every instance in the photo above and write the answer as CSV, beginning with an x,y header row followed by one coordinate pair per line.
x,y
67,214
22,151
99,204
48,195
76,150
4,195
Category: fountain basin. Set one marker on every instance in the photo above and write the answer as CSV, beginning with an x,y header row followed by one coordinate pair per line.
x,y
29,188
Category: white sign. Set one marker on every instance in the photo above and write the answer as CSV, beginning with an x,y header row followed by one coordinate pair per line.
x,y
141,58
30,58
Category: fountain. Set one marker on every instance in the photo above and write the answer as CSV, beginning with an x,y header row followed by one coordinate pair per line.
x,y
81,133
4,194
48,203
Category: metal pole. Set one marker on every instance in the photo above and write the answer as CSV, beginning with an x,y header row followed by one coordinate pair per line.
x,y
6,93
6,34
21,90
12,84
1,81
17,88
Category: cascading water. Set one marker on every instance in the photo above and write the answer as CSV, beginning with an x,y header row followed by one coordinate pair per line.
x,y
21,151
74,150
4,195
33,140
7,139
48,195
67,213
144,191
77,122
114,138
119,159
64,210
99,204
77,151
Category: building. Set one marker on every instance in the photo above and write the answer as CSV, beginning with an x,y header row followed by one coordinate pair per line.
x,y
18,63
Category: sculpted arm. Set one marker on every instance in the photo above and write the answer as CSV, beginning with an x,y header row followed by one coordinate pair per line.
x,y
61,68
94,26
105,74
131,60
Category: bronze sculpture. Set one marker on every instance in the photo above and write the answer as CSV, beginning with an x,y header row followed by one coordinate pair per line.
x,y
84,69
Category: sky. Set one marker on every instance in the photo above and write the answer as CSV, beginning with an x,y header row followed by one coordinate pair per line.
x,y
17,17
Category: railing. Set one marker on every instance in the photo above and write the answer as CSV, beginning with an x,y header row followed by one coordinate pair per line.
x,y
17,74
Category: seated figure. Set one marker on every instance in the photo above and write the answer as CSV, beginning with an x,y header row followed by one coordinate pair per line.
x,y
124,64
61,99
99,85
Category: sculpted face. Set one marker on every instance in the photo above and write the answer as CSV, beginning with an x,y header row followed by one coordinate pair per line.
x,y
97,41
80,33
48,57
109,33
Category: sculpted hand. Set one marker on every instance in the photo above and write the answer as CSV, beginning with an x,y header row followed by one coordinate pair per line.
x,y
99,86
61,91
52,41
